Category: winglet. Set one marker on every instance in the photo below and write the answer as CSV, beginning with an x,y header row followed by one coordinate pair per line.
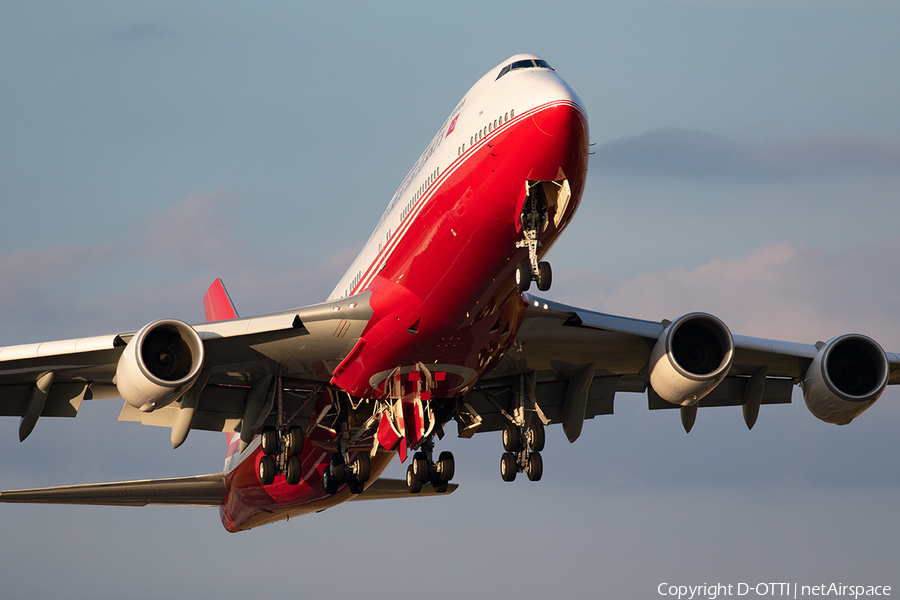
x,y
217,303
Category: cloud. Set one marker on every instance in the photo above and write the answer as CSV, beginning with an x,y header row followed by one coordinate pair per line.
x,y
28,277
196,230
160,269
693,154
786,291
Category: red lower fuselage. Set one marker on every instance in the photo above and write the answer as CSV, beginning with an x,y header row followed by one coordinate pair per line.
x,y
442,289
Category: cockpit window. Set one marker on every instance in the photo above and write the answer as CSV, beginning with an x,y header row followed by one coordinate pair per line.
x,y
524,64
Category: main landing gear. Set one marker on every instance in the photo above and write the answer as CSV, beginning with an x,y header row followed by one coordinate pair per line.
x,y
281,454
423,469
523,447
533,218
355,474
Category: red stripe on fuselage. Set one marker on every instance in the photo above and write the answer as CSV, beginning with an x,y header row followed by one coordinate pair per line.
x,y
450,268
453,270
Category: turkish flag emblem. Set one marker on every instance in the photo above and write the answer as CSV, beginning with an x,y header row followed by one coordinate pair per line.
x,y
452,126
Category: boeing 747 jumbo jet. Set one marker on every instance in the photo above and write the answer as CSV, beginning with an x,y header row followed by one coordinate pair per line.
x,y
431,328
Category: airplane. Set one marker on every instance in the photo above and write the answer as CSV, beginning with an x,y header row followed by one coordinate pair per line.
x,y
432,323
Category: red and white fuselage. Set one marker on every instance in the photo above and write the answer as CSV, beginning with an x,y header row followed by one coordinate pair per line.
x,y
440,264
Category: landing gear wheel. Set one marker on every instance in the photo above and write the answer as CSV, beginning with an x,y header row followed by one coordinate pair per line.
x,y
362,467
420,466
508,466
510,438
523,276
414,485
329,481
439,486
535,467
266,470
294,441
545,276
356,487
338,468
446,466
293,470
269,441
536,438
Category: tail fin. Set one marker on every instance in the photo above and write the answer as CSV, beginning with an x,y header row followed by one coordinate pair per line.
x,y
217,303
218,306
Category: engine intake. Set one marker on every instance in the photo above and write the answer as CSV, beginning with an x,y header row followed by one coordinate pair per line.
x,y
846,377
692,356
159,364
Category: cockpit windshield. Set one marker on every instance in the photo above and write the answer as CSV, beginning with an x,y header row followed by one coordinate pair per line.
x,y
524,64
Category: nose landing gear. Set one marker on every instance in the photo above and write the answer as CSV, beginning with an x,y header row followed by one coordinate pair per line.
x,y
533,218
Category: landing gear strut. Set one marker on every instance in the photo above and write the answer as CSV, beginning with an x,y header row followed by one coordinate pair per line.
x,y
522,454
533,218
422,469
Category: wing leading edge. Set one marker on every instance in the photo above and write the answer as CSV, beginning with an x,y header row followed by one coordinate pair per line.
x,y
570,362
304,345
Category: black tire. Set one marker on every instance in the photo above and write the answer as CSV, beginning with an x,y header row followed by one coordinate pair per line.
x,y
545,276
537,437
338,468
363,467
414,485
266,470
510,437
535,467
356,487
508,465
329,482
293,471
269,441
439,486
523,276
446,466
420,466
294,441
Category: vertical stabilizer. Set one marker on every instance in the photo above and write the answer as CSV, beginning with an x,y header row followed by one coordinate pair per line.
x,y
217,306
217,303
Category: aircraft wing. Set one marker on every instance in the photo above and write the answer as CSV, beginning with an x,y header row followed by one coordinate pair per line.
x,y
568,363
304,345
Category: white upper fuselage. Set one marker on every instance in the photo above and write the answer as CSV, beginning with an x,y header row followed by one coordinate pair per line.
x,y
488,105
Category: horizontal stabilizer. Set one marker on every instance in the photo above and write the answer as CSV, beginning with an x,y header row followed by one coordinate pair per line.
x,y
200,490
389,489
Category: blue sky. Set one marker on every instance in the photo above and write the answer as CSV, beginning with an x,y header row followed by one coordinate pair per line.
x,y
747,164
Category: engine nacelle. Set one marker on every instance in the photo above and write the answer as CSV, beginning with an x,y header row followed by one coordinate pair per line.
x,y
159,364
692,356
846,377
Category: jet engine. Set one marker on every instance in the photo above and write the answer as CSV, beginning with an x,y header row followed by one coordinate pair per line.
x,y
159,364
691,357
846,377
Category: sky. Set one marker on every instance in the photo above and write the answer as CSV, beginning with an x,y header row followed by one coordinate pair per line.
x,y
747,164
